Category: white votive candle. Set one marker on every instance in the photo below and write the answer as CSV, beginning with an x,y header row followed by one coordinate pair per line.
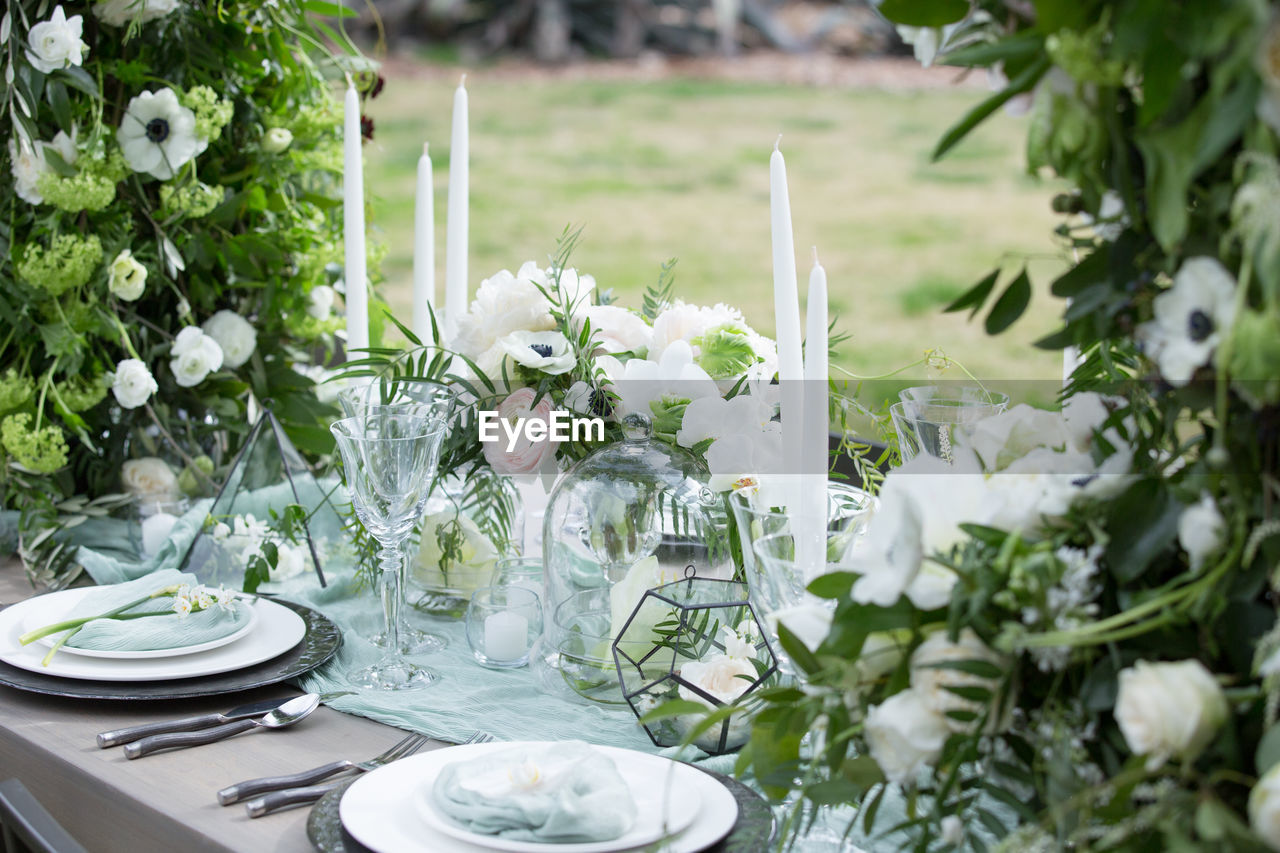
x,y
506,636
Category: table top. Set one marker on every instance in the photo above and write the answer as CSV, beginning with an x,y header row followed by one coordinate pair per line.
x,y
166,801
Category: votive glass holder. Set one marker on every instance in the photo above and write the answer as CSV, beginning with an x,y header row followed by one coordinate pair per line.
x,y
503,623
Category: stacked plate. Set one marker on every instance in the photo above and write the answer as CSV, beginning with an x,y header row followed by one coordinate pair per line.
x,y
391,810
272,630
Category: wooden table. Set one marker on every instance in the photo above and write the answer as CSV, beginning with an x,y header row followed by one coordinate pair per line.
x,y
164,802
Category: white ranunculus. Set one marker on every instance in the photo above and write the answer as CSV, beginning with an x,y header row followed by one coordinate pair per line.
x,y
723,676
905,736
119,13
503,304
1264,807
932,680
128,278
1168,710
276,140
1190,319
321,301
549,352
158,135
616,329
56,43
234,334
132,384
27,163
1201,530
150,479
194,356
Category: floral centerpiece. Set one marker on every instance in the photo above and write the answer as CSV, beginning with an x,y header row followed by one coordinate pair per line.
x,y
1068,639
170,244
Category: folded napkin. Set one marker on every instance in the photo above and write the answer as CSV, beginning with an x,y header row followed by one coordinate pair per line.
x,y
151,632
561,793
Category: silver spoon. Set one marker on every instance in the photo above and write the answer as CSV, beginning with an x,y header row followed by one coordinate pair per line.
x,y
286,715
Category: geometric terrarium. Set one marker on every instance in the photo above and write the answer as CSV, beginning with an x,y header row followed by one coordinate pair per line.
x,y
697,641
267,518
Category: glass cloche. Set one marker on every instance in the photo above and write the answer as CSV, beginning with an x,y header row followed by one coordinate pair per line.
x,y
629,517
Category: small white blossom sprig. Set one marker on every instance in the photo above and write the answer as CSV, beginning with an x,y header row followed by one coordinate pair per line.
x,y
186,600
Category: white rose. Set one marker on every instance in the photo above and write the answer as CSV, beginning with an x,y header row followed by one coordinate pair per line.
x,y
276,140
616,329
549,352
1201,530
195,355
905,736
322,299
1169,709
149,479
931,681
234,334
56,43
119,13
1264,807
128,277
133,383
724,677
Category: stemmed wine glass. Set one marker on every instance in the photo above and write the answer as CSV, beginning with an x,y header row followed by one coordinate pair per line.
x,y
389,456
422,400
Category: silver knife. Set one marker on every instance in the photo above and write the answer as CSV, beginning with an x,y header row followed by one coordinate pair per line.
x,y
202,721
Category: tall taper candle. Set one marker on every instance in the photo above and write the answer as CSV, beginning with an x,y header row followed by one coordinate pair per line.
x,y
424,250
815,339
810,539
786,310
354,276
455,249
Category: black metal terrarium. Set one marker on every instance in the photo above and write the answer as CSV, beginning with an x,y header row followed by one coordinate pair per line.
x,y
698,641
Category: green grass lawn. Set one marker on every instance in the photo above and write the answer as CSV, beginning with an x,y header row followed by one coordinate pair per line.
x,y
679,168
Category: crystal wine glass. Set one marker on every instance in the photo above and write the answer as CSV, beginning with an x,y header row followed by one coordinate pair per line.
x,y
389,457
421,400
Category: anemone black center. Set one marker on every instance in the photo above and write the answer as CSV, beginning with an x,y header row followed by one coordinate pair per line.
x,y
157,130
1199,326
601,404
543,350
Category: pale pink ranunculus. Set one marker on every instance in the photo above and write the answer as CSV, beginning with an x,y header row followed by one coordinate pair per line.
x,y
526,457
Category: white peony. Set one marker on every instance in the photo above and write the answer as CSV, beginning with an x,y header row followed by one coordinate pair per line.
x,y
128,278
1190,319
932,680
158,134
503,304
321,301
1201,530
724,677
549,352
1169,709
194,356
684,322
27,163
132,384
234,334
56,43
616,329
276,140
149,479
119,13
905,736
1264,807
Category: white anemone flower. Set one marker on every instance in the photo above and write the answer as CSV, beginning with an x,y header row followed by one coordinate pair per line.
x,y
549,352
1190,318
158,134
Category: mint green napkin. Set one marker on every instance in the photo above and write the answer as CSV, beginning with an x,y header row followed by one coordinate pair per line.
x,y
150,632
566,793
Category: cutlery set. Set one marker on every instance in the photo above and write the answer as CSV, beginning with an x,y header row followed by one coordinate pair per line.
x,y
276,792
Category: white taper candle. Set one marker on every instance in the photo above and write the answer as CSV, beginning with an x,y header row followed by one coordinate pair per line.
x,y
355,278
424,249
455,257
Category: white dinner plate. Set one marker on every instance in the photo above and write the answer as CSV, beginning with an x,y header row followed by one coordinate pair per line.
x,y
278,629
47,609
654,782
383,809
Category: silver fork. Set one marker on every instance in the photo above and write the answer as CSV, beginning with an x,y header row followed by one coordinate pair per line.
x,y
268,803
242,790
